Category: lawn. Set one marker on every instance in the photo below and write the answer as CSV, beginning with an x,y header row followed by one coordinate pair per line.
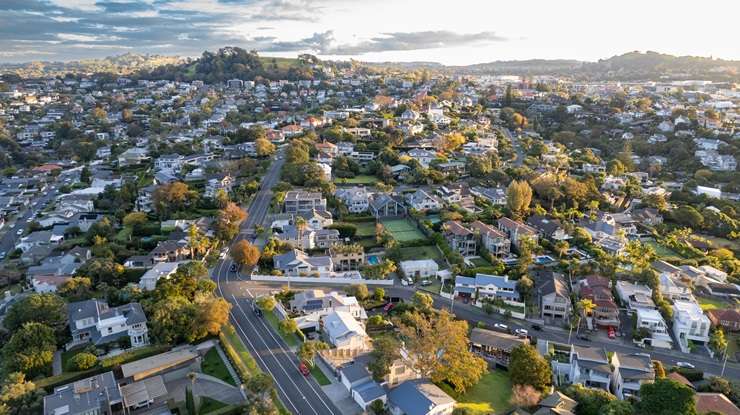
x,y
480,262
420,252
320,377
402,230
208,405
359,179
290,339
490,395
661,250
213,365
365,229
712,303
732,347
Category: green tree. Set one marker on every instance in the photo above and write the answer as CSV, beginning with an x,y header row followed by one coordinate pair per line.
x,y
266,303
617,407
19,396
48,309
378,407
83,361
288,326
718,341
264,147
307,351
527,367
358,291
30,349
378,294
590,400
245,254
386,350
665,397
422,301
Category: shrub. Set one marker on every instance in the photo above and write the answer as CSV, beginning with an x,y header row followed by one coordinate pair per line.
x,y
83,361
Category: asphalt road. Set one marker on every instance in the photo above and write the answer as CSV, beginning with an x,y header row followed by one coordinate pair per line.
x,y
300,395
11,237
517,147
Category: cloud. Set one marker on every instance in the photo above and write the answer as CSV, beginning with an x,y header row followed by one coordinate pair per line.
x,y
325,44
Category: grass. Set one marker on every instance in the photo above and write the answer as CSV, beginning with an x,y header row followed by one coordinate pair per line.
x,y
359,179
123,235
213,365
490,395
402,230
707,304
480,262
282,63
732,346
365,229
243,360
420,252
290,339
435,287
208,405
319,375
661,250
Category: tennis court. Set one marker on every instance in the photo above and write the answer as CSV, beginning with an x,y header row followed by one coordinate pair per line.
x,y
402,230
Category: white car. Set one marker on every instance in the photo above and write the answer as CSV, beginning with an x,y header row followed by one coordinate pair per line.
x,y
521,333
686,365
500,326
20,232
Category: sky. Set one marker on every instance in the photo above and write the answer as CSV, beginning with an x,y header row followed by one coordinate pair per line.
x,y
458,32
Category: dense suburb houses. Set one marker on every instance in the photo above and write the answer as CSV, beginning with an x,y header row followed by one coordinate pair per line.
x,y
527,245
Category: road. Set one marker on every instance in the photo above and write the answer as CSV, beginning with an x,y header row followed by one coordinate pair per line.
x,y
300,395
519,160
11,237
474,315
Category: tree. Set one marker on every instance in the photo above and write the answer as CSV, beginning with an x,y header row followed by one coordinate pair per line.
x,y
422,301
527,367
308,350
518,198
288,326
83,361
197,242
48,309
19,396
561,248
358,291
30,349
386,350
211,314
438,348
617,407
524,396
228,221
659,369
687,216
590,400
135,219
264,147
378,407
718,341
245,254
378,294
665,397
452,141
172,197
266,303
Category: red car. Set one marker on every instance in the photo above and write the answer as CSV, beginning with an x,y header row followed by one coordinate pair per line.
x,y
612,333
388,307
303,368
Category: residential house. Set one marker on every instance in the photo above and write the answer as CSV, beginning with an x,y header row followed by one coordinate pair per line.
x,y
347,257
319,302
495,241
652,321
419,397
344,332
494,345
296,263
557,403
97,394
424,157
95,322
422,201
516,231
148,281
709,403
358,381
548,228
357,199
553,296
383,205
220,182
590,367
634,296
170,251
301,201
496,196
690,324
461,239
419,268
483,286
631,371
598,290
728,319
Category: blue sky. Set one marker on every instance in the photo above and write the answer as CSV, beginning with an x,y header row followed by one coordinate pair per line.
x,y
459,32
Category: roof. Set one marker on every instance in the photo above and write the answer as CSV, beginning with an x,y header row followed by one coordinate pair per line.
x,y
495,339
725,315
356,370
82,396
707,402
456,228
558,400
342,324
552,282
143,368
418,397
143,391
677,377
487,230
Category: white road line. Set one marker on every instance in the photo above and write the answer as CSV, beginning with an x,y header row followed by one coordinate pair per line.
x,y
289,353
288,375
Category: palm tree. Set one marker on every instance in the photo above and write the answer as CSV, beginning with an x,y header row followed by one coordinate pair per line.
x,y
195,240
301,225
586,307
561,247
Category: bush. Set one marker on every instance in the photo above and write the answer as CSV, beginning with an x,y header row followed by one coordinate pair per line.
x,y
83,361
693,375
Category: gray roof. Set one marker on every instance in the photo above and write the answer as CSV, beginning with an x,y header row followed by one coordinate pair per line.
x,y
83,396
418,397
356,370
99,310
495,339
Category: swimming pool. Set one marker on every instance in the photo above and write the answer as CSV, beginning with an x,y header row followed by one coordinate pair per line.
x,y
373,259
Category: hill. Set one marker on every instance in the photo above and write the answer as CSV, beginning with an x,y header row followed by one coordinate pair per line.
x,y
651,65
122,65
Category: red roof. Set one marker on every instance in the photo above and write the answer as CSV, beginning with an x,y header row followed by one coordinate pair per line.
x,y
714,402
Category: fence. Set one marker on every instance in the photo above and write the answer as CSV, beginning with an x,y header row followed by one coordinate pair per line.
x,y
320,280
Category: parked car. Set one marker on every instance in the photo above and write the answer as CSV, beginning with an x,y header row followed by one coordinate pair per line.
x,y
612,333
388,307
407,281
685,365
536,327
424,283
20,232
521,333
584,337
502,327
303,368
233,268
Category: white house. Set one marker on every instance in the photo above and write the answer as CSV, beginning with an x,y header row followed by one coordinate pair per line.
x,y
93,321
419,268
689,323
357,199
652,320
423,201
344,331
148,281
630,372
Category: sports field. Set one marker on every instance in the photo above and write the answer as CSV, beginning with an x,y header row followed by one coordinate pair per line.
x,y
402,230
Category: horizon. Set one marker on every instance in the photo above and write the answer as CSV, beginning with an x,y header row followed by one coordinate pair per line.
x,y
407,31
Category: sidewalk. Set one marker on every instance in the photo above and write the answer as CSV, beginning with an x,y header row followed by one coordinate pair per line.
x,y
56,364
